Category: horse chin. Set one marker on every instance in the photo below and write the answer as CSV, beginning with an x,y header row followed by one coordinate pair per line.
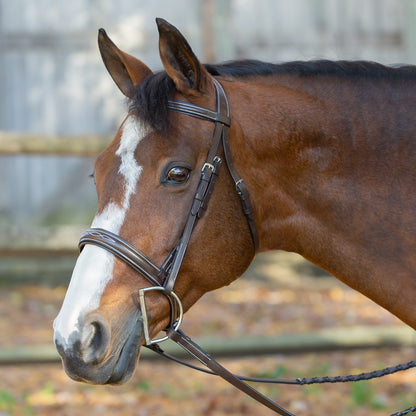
x,y
128,357
116,369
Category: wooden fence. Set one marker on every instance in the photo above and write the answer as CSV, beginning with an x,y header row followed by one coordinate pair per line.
x,y
23,143
333,339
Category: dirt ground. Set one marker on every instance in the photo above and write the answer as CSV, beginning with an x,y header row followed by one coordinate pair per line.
x,y
278,295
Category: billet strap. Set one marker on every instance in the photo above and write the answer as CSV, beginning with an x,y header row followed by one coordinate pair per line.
x,y
197,352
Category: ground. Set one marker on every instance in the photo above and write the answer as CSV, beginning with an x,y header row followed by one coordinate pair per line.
x,y
279,295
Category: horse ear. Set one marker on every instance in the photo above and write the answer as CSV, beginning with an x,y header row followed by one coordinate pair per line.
x,y
179,61
126,70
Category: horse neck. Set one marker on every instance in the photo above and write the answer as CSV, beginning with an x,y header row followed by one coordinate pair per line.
x,y
310,164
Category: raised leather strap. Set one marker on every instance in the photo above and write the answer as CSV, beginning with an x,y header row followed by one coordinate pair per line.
x,y
200,112
242,191
123,250
197,352
221,115
240,185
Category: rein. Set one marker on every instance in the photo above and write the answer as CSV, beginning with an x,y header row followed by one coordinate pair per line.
x,y
163,278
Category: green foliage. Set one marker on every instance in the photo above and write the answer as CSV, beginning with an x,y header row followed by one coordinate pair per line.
x,y
7,401
143,385
362,395
169,389
276,372
47,390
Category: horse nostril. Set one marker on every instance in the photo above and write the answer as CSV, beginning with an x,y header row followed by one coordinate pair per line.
x,y
95,340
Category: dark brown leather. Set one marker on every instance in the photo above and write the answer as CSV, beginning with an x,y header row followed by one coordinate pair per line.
x,y
242,191
197,352
123,250
200,112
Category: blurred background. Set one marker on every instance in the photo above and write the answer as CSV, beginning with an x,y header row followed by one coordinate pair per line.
x,y
58,108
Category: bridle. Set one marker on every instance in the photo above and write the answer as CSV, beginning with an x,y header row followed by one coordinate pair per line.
x,y
163,278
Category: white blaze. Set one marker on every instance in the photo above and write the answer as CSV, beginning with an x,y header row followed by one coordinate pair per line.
x,y
94,267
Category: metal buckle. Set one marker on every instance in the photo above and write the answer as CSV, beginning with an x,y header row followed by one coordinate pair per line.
x,y
212,165
175,320
208,165
237,187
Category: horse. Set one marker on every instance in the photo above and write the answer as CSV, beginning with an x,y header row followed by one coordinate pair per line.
x,y
322,155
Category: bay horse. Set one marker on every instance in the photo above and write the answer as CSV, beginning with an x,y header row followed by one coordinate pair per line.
x,y
327,155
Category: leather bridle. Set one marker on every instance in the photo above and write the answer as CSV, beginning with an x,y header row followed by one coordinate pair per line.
x,y
163,278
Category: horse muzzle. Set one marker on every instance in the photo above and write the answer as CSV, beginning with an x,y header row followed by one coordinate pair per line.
x,y
94,355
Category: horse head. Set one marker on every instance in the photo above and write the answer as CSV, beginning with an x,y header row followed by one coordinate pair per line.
x,y
146,180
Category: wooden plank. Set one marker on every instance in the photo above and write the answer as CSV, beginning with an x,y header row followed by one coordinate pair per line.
x,y
12,143
321,340
39,241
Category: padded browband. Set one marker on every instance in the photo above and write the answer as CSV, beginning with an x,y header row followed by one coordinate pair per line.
x,y
200,112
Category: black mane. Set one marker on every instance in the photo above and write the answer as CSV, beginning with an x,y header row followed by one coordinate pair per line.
x,y
151,98
312,68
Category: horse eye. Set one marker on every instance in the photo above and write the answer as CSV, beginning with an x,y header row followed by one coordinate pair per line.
x,y
178,174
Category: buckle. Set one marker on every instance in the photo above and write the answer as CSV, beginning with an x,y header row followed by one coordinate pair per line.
x,y
212,165
238,185
208,165
176,312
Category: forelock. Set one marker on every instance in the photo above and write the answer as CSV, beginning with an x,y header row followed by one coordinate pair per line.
x,y
150,101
